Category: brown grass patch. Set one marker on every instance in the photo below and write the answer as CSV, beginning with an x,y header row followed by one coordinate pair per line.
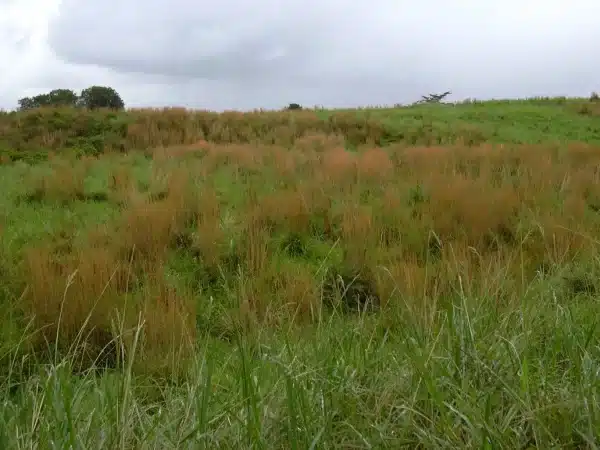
x,y
72,297
339,165
149,224
82,301
168,320
287,210
375,164
65,183
428,224
209,238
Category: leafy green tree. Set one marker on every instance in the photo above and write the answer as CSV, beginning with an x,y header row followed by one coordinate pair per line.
x,y
57,97
62,97
96,97
29,103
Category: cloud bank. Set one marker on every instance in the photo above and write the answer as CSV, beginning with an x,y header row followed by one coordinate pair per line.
x,y
244,54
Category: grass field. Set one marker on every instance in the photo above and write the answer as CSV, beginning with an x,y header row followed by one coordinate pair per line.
x,y
418,277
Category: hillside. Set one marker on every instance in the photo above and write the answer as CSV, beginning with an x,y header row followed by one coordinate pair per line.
x,y
516,122
414,277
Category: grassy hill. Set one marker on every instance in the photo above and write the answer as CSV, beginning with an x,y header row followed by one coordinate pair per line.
x,y
415,277
31,134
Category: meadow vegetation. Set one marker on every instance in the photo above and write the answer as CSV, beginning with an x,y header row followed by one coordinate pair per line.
x,y
418,277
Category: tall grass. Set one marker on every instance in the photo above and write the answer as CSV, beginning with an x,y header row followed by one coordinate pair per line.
x,y
245,294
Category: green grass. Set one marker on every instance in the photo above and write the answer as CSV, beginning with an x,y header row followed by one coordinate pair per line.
x,y
463,371
472,379
536,121
529,124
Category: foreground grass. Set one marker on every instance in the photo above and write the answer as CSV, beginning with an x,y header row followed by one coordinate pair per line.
x,y
473,379
262,295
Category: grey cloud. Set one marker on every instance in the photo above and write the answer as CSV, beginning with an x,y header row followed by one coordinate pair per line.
x,y
267,53
235,41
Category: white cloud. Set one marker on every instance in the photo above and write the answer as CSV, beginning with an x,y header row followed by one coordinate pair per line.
x,y
267,53
27,64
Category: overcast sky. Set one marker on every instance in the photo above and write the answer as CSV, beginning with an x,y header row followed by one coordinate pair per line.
x,y
245,54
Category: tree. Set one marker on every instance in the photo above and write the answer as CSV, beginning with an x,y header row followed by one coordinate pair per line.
x,y
28,103
434,98
293,106
57,97
62,97
100,97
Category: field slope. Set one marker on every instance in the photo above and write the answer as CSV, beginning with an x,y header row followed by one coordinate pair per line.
x,y
417,277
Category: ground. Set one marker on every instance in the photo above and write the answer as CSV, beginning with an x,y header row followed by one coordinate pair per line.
x,y
417,277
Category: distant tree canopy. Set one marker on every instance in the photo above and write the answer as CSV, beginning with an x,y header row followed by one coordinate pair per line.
x,y
57,97
293,106
92,98
101,97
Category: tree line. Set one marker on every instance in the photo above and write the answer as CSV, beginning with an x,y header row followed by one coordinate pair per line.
x,y
93,97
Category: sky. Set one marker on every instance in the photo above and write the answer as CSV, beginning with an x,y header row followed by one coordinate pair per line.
x,y
247,54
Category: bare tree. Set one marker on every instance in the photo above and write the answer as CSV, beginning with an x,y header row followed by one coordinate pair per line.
x,y
434,98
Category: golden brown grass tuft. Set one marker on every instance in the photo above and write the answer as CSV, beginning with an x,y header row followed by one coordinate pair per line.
x,y
87,300
150,224
287,210
463,207
209,239
64,183
339,165
71,297
358,234
375,163
121,183
299,292
404,281
148,227
197,149
254,247
167,317
318,142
